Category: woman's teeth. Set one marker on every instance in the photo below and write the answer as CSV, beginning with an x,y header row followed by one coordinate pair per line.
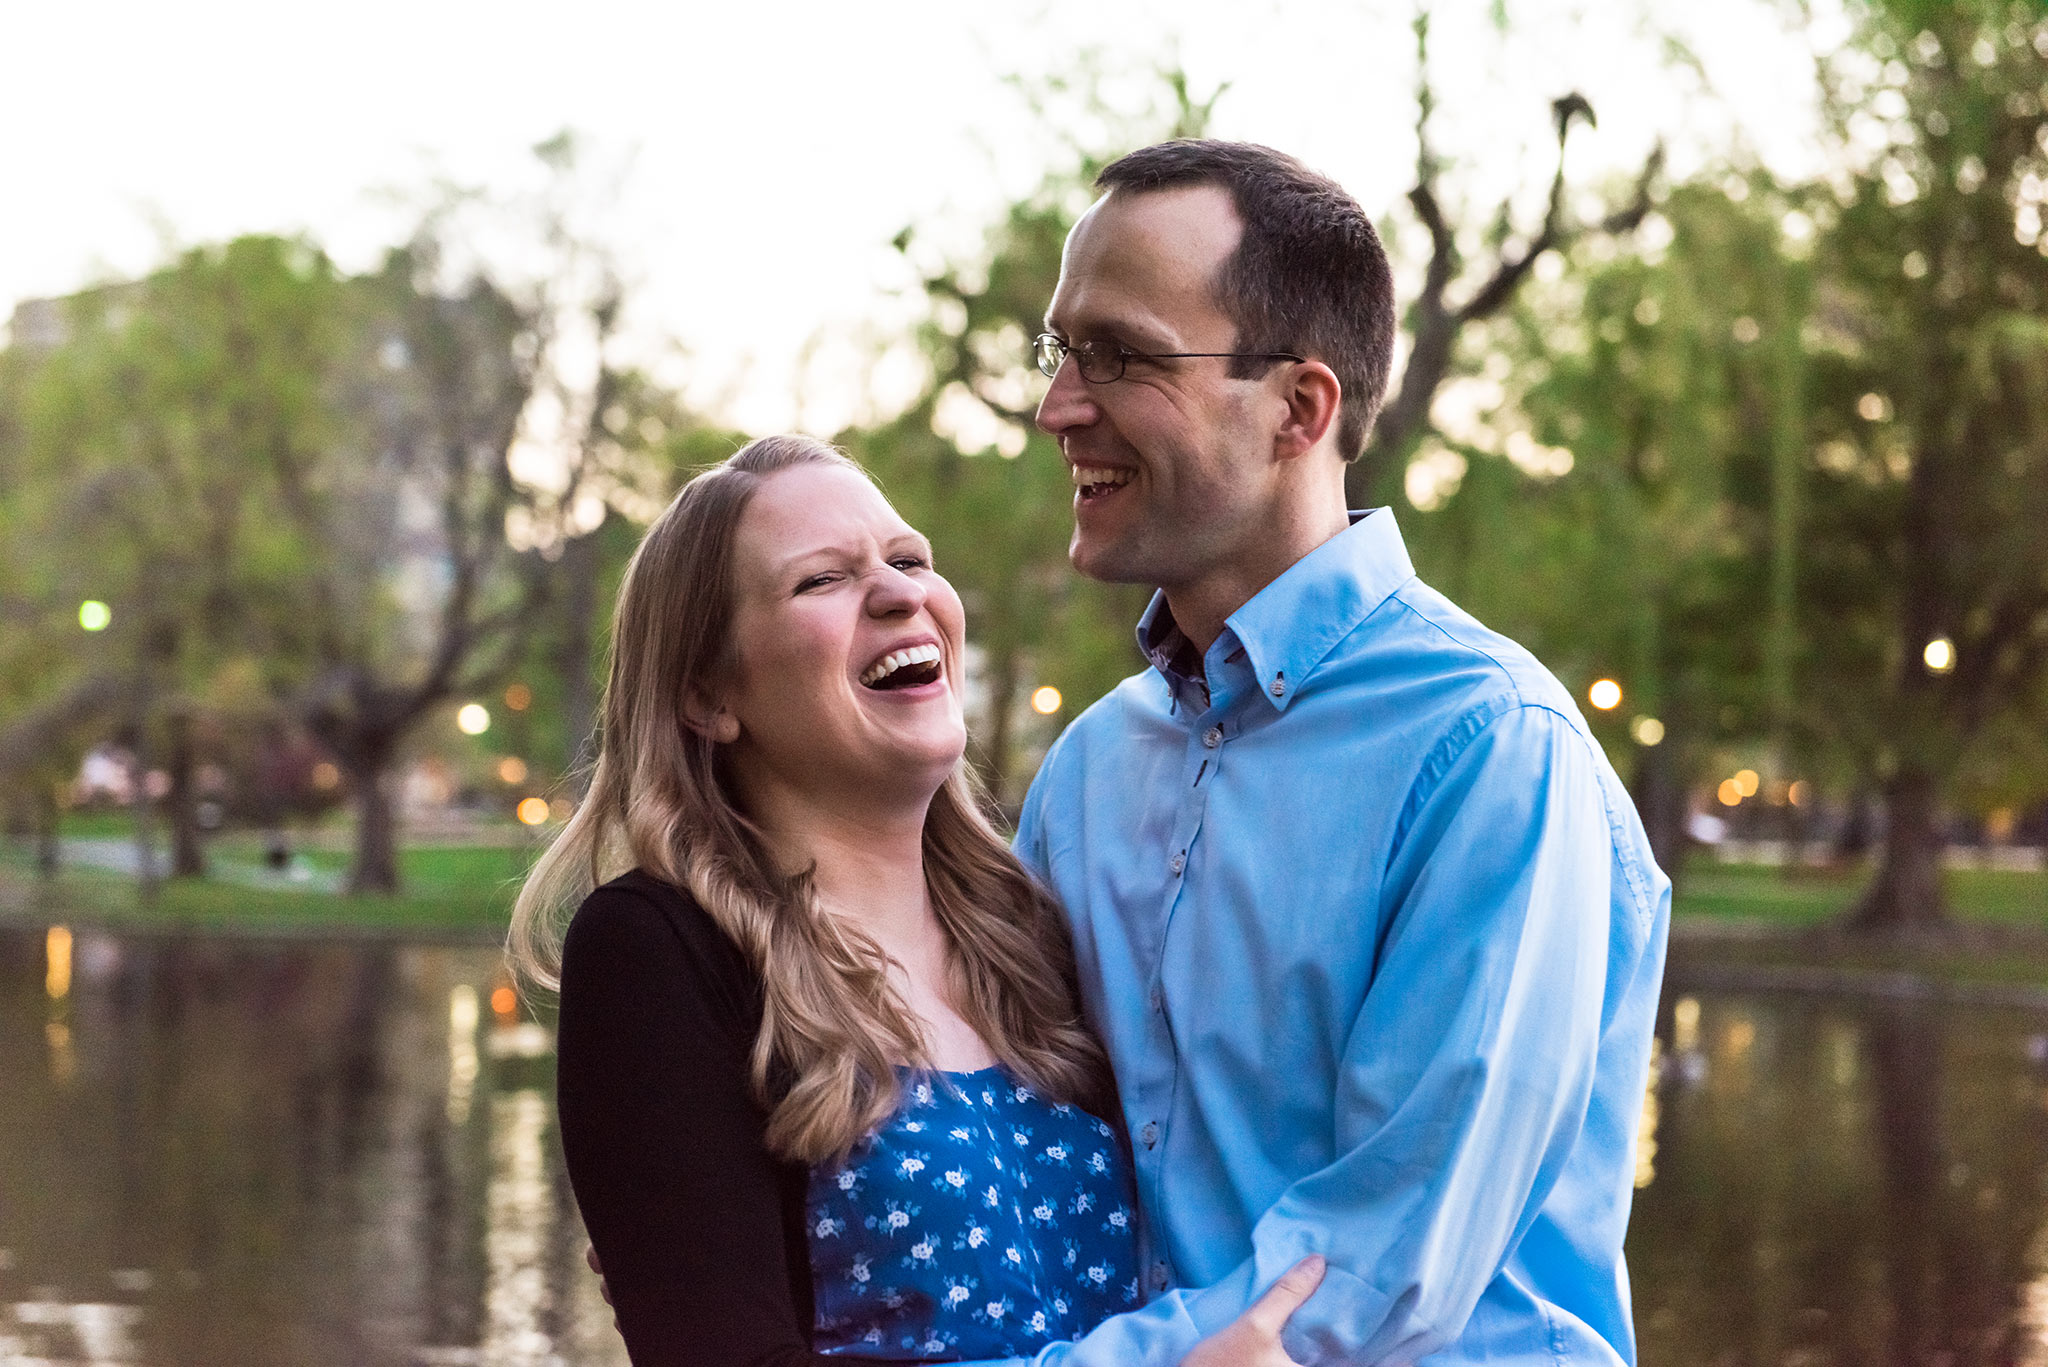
x,y
1093,477
898,659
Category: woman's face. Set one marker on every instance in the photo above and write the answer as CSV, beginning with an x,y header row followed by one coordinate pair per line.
x,y
848,644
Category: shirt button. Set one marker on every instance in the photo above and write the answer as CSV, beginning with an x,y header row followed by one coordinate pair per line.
x,y
1178,862
1212,737
1150,1134
1279,685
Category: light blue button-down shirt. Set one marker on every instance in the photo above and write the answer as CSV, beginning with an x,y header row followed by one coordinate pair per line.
x,y
1374,938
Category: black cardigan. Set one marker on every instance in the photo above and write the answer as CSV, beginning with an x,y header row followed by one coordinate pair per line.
x,y
700,1230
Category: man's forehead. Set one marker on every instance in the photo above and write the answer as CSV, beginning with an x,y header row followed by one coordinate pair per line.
x,y
1146,248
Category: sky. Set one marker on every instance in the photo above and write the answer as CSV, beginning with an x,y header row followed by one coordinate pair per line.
x,y
762,156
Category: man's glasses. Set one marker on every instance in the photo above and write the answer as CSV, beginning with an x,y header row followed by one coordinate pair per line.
x,y
1103,362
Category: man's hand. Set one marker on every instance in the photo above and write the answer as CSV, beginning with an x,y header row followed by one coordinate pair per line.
x,y
603,1289
1253,1338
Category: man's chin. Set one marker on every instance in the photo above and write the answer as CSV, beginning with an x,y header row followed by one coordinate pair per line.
x,y
1108,562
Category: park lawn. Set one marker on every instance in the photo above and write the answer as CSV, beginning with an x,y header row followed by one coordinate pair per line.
x,y
463,890
1810,897
1749,915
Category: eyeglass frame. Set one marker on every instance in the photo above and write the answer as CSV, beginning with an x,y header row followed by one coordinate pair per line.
x,y
1125,355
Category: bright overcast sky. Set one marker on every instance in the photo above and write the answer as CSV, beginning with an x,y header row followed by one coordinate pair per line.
x,y
775,147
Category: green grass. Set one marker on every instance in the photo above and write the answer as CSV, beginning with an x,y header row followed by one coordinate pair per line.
x,y
1805,897
459,889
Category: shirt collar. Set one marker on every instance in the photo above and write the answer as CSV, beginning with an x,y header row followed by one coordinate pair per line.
x,y
1290,625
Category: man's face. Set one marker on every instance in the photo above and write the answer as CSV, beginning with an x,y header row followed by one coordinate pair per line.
x,y
1172,464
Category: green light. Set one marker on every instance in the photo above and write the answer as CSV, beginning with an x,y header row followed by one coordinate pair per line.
x,y
94,615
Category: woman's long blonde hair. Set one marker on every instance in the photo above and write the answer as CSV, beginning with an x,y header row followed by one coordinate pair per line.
x,y
832,1028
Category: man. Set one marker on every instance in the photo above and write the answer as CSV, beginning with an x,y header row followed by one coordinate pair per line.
x,y
1367,922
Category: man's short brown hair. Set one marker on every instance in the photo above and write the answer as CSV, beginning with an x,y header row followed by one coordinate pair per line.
x,y
1309,275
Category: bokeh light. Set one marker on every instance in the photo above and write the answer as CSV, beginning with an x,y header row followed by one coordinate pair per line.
x,y
518,697
94,615
533,811
1940,655
1605,695
1729,793
474,719
1647,731
1046,701
512,769
57,948
1746,782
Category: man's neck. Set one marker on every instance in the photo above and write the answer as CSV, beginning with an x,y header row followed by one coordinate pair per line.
x,y
1201,608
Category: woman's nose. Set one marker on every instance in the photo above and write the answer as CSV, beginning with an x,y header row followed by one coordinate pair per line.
x,y
892,591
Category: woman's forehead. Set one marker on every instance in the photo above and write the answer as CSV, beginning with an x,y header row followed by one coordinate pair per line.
x,y
816,508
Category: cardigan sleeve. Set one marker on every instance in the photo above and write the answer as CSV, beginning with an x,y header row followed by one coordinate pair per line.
x,y
696,1224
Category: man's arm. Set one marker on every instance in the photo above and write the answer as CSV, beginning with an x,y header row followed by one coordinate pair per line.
x,y
1467,1073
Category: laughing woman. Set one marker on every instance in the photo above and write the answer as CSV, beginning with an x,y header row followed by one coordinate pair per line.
x,y
824,1088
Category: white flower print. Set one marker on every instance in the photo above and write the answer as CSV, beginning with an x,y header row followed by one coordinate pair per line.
x,y
1013,1257
910,1165
847,1177
1119,1219
956,1178
977,1235
896,1220
1098,1162
956,1295
1059,1305
1084,1203
1022,1093
934,1345
995,1310
1131,1291
1098,1274
913,1127
1023,1137
860,1270
1036,1324
922,1094
1057,1152
962,1133
992,1198
921,1251
988,1098
828,1228
1042,1212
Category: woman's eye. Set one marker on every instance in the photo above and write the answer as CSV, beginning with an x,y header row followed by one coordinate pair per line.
x,y
814,582
911,562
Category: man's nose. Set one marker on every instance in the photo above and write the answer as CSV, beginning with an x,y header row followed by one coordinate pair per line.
x,y
1069,403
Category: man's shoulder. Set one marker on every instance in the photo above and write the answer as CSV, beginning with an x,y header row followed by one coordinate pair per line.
x,y
1423,639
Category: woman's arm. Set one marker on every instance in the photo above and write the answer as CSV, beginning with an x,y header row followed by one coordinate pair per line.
x,y
689,1214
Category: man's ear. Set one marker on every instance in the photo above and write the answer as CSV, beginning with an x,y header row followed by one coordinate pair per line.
x,y
710,719
1313,397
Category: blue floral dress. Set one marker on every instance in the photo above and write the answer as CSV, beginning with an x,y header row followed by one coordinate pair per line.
x,y
981,1221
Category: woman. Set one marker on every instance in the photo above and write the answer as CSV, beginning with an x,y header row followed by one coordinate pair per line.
x,y
824,1088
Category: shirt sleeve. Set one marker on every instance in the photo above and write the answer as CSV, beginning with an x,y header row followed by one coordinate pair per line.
x,y
665,1146
1466,1076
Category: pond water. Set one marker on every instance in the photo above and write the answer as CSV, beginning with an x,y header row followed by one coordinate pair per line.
x,y
222,1152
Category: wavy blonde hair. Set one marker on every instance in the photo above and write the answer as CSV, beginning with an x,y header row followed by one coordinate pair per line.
x,y
832,1027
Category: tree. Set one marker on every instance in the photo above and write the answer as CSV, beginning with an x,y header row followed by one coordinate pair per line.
x,y
1930,410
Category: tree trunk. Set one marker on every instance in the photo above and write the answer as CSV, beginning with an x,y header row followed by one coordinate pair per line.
x,y
141,806
188,854
1906,895
375,869
1660,800
47,849
1002,701
579,570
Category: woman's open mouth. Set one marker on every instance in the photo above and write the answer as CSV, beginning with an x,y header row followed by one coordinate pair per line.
x,y
911,667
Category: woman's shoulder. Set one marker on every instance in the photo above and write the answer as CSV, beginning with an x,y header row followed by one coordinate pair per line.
x,y
638,914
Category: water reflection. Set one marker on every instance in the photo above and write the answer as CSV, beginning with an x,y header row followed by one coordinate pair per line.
x,y
1844,1183
222,1153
